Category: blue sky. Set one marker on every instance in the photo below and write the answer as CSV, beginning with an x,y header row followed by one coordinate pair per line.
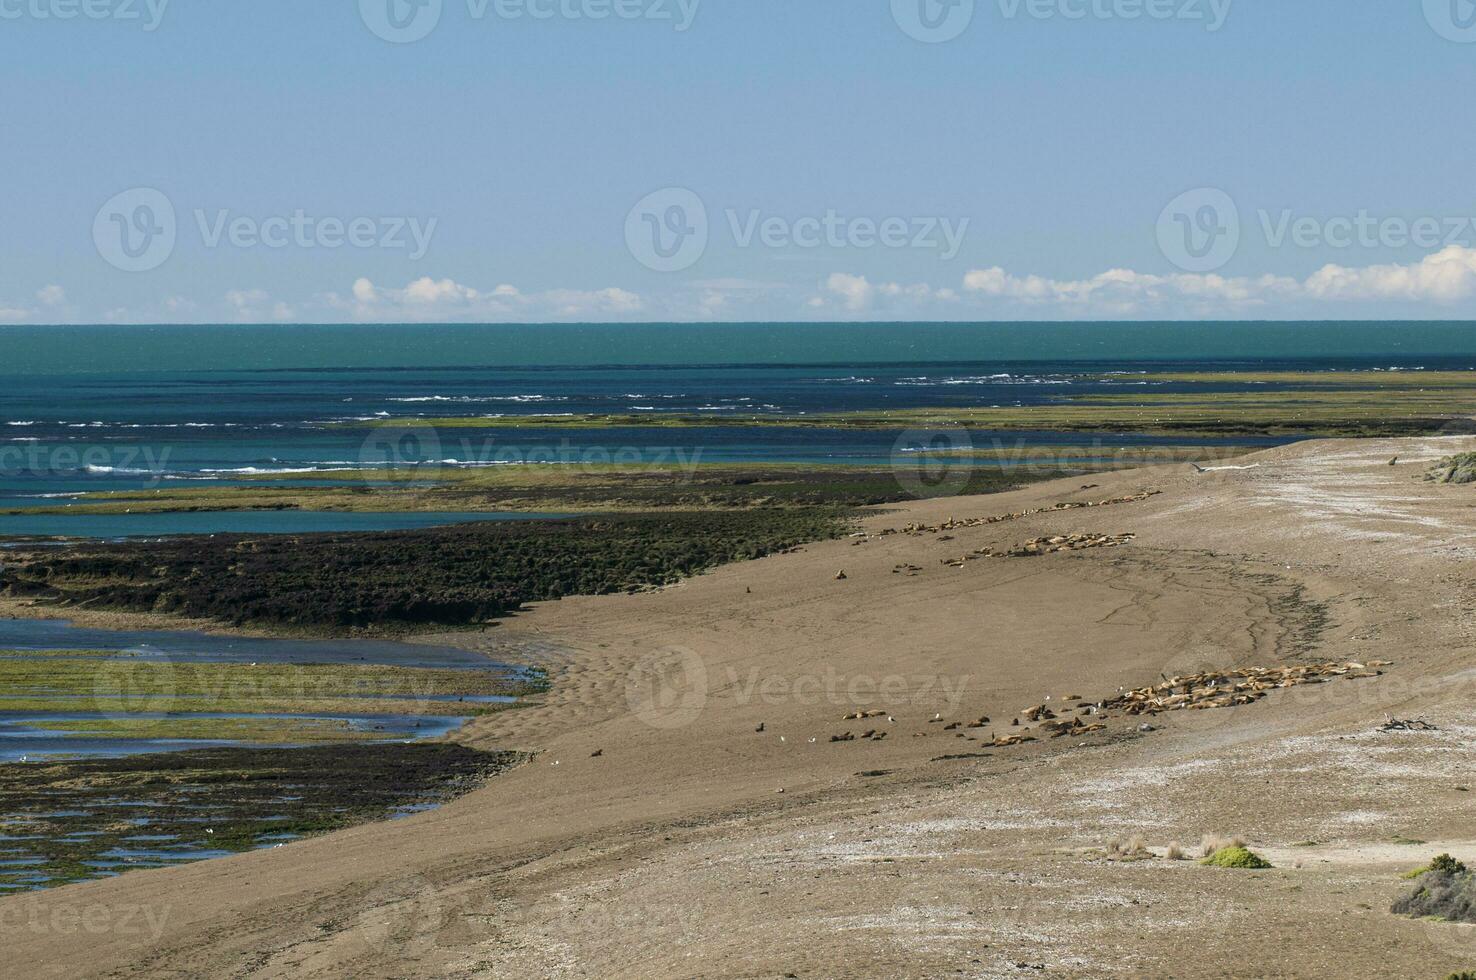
x,y
512,167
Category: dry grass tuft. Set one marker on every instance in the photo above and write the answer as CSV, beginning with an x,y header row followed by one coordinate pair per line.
x,y
1130,847
1212,844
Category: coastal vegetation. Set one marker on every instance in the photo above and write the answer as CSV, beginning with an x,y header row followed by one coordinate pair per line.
x,y
394,582
1239,858
544,488
1460,468
1446,890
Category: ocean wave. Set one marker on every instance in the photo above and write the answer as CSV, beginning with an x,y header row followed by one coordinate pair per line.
x,y
983,379
480,399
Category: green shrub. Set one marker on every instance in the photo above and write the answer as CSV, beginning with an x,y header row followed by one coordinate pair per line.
x,y
1236,857
1449,896
1454,469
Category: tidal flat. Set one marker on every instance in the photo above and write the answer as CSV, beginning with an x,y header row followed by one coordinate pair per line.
x,y
72,820
1298,404
64,681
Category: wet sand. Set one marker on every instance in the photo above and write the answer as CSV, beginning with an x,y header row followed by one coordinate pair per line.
x,y
660,833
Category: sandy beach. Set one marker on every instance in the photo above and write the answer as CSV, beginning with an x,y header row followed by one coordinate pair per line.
x,y
689,812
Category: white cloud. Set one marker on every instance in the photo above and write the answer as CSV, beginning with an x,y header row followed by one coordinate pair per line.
x,y
857,294
1442,283
575,303
444,292
13,314
255,305
1445,277
243,298
428,299
1125,290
